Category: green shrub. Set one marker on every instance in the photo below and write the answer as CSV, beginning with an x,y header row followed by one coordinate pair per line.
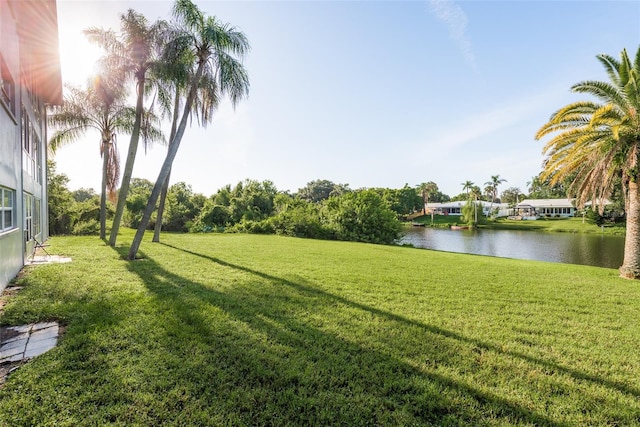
x,y
86,228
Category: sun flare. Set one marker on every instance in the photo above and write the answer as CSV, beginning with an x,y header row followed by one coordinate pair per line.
x,y
78,57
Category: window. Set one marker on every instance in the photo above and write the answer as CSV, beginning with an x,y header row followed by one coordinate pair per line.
x,y
37,226
28,216
7,87
7,209
31,156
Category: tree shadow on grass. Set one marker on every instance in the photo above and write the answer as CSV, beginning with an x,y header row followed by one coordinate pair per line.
x,y
68,384
576,374
256,358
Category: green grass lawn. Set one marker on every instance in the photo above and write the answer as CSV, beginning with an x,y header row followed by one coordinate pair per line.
x,y
224,329
567,225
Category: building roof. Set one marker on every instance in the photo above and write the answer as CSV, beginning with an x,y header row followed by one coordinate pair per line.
x,y
38,29
546,203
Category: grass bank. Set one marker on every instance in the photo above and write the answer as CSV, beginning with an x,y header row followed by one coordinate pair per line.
x,y
564,225
267,330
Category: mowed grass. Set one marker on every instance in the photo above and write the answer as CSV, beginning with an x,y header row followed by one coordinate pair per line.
x,y
266,330
563,225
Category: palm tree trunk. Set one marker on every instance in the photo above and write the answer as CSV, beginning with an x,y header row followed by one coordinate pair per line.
x,y
128,168
103,194
166,166
165,186
630,268
163,198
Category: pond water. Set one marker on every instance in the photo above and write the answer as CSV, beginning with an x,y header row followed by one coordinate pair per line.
x,y
570,248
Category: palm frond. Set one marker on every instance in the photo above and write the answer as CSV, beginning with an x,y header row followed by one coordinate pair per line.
x,y
234,79
611,65
64,137
606,92
187,14
106,39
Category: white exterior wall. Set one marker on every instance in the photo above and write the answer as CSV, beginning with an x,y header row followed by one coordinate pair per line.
x,y
15,243
11,245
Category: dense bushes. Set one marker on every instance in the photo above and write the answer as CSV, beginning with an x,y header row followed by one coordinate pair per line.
x,y
362,216
249,207
76,212
355,215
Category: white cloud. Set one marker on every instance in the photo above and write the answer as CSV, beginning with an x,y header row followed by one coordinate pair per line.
x,y
455,19
474,127
479,144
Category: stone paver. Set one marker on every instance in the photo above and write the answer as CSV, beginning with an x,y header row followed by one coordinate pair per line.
x,y
47,259
26,341
20,336
11,345
43,325
44,334
38,347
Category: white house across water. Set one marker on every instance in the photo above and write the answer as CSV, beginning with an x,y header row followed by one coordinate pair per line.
x,y
544,208
30,80
455,208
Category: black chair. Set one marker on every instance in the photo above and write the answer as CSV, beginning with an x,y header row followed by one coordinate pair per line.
x,y
37,245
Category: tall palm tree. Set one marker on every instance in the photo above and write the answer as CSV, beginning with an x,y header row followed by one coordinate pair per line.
x,y
134,53
174,76
426,189
101,107
487,191
597,143
495,181
467,186
475,192
211,46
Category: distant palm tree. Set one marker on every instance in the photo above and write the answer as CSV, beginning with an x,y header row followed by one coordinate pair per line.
x,y
133,53
101,107
467,185
475,192
212,46
487,191
596,143
495,181
426,189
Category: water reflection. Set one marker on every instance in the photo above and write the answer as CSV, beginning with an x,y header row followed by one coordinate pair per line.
x,y
571,248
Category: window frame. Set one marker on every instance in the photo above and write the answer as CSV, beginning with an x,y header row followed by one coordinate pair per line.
x,y
27,207
7,89
10,195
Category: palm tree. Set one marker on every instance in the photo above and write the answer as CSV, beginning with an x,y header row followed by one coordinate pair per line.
x,y
495,181
467,186
487,191
475,192
211,46
134,54
596,143
426,189
174,77
99,107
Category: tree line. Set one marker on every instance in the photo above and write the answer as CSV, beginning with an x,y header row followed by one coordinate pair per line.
x,y
321,209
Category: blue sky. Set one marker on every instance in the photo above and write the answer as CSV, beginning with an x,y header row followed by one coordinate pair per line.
x,y
373,93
